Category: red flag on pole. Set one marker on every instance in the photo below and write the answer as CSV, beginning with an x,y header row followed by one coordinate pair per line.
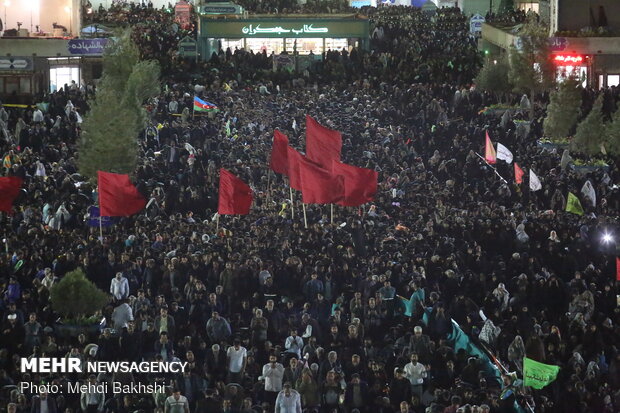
x,y
318,185
235,196
360,184
489,151
518,174
118,197
9,190
323,145
294,160
617,269
279,158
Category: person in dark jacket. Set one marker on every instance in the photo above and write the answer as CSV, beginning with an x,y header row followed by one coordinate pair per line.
x,y
43,403
400,388
356,394
210,403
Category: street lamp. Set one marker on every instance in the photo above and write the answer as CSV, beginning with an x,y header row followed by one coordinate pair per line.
x,y
68,11
7,3
31,5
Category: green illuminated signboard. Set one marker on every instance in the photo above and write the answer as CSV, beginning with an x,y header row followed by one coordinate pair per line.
x,y
289,28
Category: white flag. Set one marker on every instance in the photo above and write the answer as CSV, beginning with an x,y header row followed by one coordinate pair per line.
x,y
503,153
588,192
535,184
295,125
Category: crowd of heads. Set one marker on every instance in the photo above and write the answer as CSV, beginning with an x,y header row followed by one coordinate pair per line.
x,y
266,310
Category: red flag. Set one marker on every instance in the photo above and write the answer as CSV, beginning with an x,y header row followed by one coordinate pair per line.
x,y
279,158
235,195
617,269
489,150
294,160
323,145
360,184
518,174
319,186
9,190
118,197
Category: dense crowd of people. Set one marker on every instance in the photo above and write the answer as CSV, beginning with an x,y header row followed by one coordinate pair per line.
x,y
274,316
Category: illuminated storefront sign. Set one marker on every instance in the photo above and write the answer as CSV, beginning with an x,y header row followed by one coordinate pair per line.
x,y
251,31
284,28
563,60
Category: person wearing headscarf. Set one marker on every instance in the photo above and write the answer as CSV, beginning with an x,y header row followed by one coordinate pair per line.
x,y
553,236
502,295
516,352
522,237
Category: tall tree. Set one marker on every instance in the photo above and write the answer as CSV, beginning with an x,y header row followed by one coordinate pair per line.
x,y
531,67
493,77
590,131
612,135
563,110
111,128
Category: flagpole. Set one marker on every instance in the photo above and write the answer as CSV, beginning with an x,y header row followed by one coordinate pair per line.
x,y
268,183
292,204
305,219
332,211
494,170
100,228
217,224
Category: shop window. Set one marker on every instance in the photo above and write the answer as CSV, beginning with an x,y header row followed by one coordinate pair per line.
x,y
11,85
25,85
63,75
529,6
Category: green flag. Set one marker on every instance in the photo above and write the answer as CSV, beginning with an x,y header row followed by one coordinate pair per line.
x,y
573,205
538,375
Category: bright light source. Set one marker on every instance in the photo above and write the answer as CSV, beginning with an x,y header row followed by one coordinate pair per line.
x,y
7,3
67,9
607,238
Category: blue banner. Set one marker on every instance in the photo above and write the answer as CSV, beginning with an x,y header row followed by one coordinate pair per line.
x,y
93,218
87,46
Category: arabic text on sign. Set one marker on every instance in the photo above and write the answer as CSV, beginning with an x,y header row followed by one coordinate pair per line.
x,y
307,28
568,59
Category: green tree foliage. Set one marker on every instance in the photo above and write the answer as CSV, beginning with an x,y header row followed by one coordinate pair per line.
x,y
612,135
493,77
111,128
75,297
590,131
531,68
563,110
109,132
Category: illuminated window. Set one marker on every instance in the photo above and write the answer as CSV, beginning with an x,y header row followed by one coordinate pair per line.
x,y
529,6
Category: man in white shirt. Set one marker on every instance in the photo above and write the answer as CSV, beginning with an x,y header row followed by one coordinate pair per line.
x,y
415,372
288,401
237,359
294,344
273,372
119,287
